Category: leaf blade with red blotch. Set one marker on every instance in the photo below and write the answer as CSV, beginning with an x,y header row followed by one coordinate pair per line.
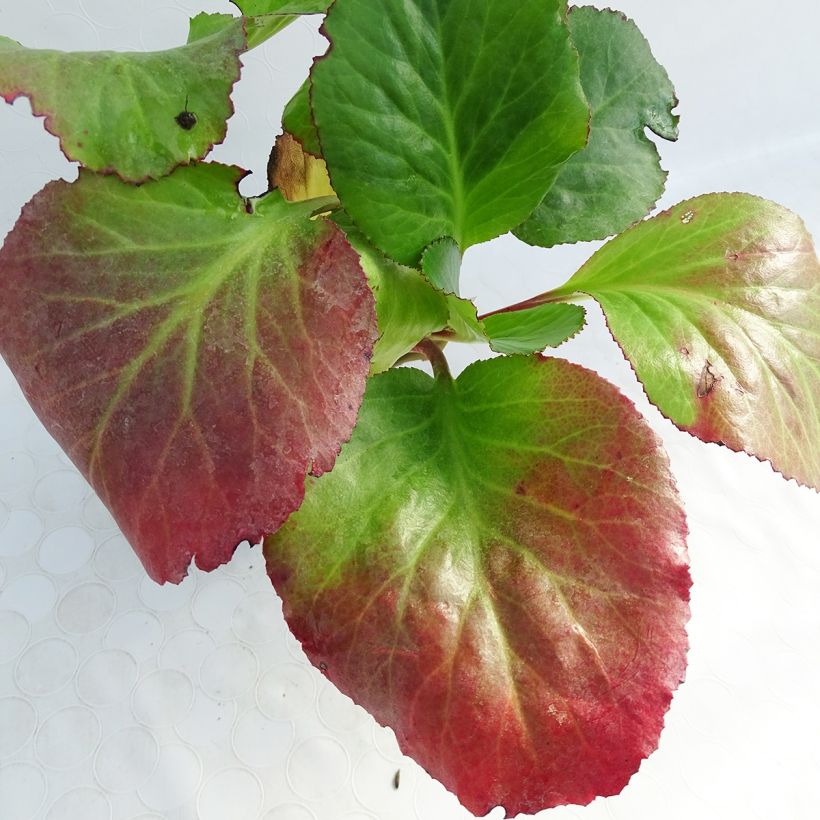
x,y
716,303
195,360
494,565
123,113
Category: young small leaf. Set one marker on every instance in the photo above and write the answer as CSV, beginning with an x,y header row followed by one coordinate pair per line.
x,y
496,569
532,329
461,112
441,264
194,354
89,99
408,307
617,178
716,303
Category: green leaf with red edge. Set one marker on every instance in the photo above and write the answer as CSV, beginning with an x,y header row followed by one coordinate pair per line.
x,y
716,303
496,568
457,138
138,115
194,353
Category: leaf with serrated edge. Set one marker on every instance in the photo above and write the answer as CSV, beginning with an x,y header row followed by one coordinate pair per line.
x,y
532,329
716,303
496,568
89,99
195,360
617,178
441,264
456,137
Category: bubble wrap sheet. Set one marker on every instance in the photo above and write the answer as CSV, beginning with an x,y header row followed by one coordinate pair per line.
x,y
120,699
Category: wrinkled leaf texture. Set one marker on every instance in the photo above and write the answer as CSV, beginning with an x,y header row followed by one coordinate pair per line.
x,y
459,113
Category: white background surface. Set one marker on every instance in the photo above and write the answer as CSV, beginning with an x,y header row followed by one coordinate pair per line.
x,y
120,699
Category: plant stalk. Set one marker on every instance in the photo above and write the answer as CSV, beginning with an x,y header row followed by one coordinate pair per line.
x,y
438,361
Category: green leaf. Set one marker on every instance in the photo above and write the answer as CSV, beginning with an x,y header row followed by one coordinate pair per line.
x,y
408,308
252,8
532,329
195,354
441,264
716,303
268,17
496,569
138,115
617,178
446,117
298,120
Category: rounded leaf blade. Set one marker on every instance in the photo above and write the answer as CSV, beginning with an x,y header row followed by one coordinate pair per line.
x,y
617,178
453,137
195,354
496,569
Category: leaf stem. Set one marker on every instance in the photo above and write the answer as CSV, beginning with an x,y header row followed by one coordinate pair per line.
x,y
552,296
438,361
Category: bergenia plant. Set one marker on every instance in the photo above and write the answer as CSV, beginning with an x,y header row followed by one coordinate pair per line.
x,y
495,564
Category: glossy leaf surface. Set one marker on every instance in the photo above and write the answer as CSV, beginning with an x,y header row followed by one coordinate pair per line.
x,y
89,99
459,113
716,303
617,178
496,569
194,360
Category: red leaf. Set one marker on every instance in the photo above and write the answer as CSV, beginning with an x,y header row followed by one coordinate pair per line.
x,y
496,569
194,360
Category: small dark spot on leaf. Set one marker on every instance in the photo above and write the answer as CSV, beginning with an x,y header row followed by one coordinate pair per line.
x,y
397,779
186,120
248,206
685,351
707,381
520,488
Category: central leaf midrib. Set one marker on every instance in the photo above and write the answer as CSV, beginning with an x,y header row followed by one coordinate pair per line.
x,y
453,152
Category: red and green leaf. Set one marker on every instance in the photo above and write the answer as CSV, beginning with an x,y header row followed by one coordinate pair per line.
x,y
716,303
194,353
496,568
138,115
